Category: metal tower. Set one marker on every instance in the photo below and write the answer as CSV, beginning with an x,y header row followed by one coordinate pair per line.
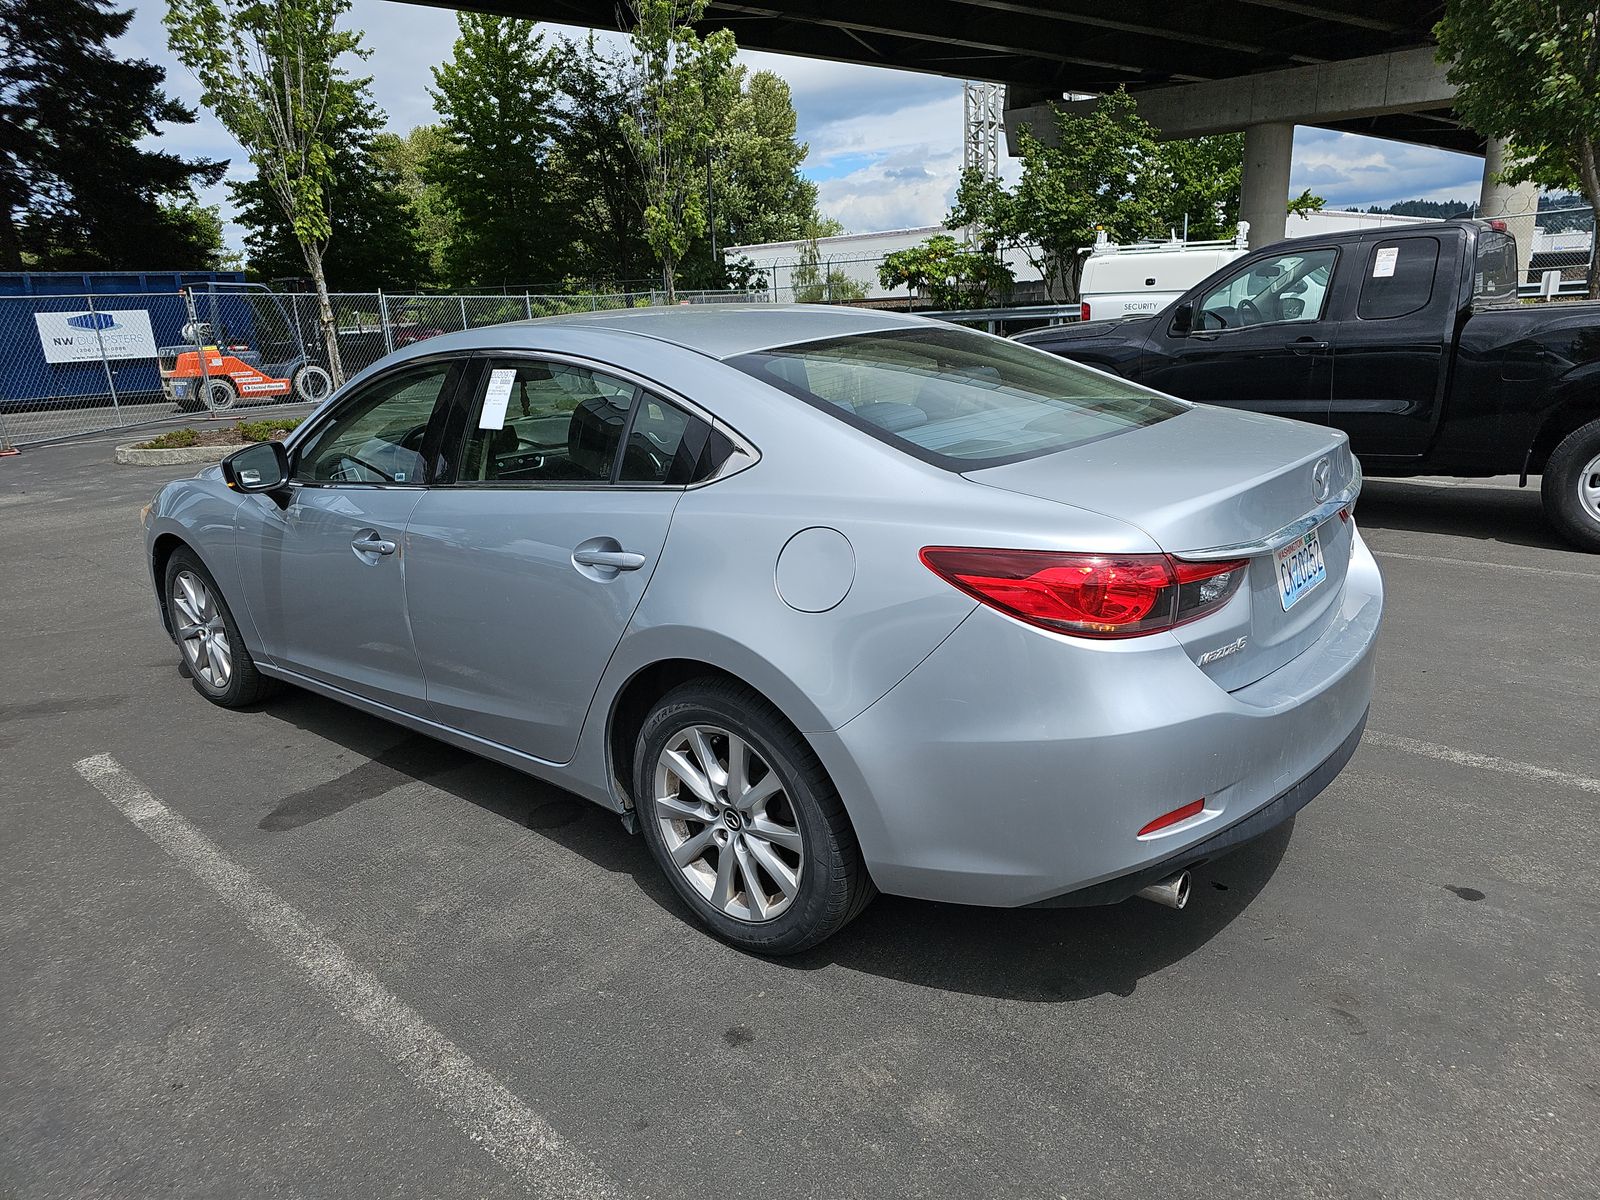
x,y
982,107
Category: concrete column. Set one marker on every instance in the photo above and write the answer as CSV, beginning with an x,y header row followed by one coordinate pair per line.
x,y
1517,205
1264,192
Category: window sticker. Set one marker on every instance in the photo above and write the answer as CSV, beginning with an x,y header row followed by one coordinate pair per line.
x,y
495,397
1382,262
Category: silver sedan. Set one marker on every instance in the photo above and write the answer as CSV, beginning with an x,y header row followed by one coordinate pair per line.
x,y
825,602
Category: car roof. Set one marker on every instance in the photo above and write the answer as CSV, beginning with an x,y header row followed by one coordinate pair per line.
x,y
726,330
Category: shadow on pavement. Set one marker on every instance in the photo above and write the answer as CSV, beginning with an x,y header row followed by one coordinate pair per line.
x,y
1039,955
1488,514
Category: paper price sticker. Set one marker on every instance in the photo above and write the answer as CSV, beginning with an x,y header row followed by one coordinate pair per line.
x,y
1383,262
495,397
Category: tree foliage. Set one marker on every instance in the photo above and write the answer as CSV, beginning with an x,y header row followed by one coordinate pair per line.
x,y
271,70
496,102
79,188
404,161
685,81
1530,73
949,274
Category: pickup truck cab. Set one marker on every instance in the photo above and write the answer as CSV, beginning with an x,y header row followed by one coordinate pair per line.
x,y
1410,338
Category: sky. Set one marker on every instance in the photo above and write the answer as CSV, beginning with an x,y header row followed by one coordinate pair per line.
x,y
885,145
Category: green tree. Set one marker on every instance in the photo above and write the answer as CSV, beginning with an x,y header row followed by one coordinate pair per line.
x,y
496,103
1530,73
1203,186
949,274
272,74
601,179
759,194
406,161
685,81
79,188
373,240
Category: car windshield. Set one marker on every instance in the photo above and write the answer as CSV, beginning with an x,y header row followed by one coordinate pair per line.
x,y
956,398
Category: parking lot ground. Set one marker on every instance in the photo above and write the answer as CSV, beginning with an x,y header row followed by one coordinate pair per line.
x,y
297,951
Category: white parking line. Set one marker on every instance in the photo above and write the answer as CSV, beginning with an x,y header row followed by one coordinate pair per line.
x,y
480,1105
1487,762
1469,562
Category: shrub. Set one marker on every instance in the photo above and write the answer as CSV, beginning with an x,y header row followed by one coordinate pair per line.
x,y
173,439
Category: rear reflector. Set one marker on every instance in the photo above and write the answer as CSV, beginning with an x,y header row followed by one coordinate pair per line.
x,y
1089,595
1193,808
1083,311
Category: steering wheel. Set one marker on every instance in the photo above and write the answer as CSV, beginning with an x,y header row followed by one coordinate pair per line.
x,y
1249,314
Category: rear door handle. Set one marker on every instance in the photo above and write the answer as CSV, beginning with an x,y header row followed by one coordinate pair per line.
x,y
1307,346
617,560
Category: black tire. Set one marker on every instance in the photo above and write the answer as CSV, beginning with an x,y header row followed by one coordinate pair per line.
x,y
833,884
312,384
243,685
219,395
1575,463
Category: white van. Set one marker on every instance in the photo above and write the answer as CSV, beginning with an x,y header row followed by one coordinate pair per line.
x,y
1140,279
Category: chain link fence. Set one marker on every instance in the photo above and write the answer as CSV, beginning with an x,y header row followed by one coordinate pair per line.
x,y
80,364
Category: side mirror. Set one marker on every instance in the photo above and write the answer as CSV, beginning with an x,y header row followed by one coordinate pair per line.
x,y
1182,319
263,467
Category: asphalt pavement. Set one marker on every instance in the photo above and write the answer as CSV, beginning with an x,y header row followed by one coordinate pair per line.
x,y
297,951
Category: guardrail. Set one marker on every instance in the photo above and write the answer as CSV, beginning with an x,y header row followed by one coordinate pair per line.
x,y
992,319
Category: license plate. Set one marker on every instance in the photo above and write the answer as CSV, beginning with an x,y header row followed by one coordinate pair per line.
x,y
1300,569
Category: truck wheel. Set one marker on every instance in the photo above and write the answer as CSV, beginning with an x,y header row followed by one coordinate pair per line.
x,y
312,384
220,395
1571,487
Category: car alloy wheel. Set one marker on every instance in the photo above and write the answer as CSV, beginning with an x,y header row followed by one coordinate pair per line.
x,y
728,824
202,633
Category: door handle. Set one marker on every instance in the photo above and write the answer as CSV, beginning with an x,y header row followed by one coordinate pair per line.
x,y
1307,346
617,560
372,544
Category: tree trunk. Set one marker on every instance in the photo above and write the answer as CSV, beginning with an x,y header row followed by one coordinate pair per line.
x,y
10,241
669,278
1591,192
330,331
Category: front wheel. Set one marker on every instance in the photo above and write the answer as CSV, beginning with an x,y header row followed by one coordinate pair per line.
x,y
213,653
740,815
312,384
220,395
1570,488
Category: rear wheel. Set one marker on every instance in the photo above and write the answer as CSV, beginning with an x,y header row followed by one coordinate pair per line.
x,y
220,394
1571,487
742,818
312,384
213,653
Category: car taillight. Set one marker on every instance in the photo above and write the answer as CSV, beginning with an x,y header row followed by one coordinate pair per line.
x,y
1089,595
1083,311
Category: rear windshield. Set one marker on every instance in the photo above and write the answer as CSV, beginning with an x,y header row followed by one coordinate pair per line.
x,y
1495,277
956,398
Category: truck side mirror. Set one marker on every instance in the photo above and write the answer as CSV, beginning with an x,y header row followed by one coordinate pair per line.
x,y
1182,319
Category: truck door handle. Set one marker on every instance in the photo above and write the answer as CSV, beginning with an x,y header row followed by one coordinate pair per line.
x,y
617,560
1307,346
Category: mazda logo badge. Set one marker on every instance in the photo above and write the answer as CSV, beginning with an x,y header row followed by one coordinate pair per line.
x,y
1321,479
731,820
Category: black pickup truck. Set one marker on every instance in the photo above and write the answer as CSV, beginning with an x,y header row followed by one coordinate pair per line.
x,y
1409,338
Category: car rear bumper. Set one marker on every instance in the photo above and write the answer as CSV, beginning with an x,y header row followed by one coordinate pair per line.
x,y
1013,766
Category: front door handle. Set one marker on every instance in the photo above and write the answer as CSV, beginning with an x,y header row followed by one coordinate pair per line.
x,y
617,560
1307,346
372,544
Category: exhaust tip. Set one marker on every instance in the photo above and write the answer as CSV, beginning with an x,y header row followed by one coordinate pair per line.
x,y
1173,892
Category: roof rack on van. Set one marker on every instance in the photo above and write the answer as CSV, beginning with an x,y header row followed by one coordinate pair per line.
x,y
1239,241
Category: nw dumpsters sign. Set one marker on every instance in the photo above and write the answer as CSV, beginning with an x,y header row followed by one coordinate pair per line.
x,y
76,337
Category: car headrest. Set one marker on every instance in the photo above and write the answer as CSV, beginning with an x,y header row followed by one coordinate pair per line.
x,y
593,434
886,414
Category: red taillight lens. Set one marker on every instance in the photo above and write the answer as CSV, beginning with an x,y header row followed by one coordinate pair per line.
x,y
1192,809
1089,595
1083,311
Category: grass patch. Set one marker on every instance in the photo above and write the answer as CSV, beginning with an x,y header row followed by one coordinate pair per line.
x,y
242,434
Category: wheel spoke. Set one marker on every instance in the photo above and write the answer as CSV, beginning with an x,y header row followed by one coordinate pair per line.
x,y
757,795
693,848
767,830
782,874
221,657
755,892
189,629
738,765
708,758
678,809
187,610
722,893
686,771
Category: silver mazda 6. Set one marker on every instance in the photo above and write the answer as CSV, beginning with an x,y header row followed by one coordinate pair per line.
x,y
823,601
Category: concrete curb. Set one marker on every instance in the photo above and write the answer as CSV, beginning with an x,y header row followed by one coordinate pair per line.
x,y
129,455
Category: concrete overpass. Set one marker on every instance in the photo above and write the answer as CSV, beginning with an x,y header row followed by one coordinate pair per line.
x,y
1262,66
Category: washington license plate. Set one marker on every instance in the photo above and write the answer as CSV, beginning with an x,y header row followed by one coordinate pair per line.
x,y
1300,569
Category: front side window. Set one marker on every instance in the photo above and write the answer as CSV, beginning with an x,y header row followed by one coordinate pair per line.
x,y
956,398
376,438
1287,287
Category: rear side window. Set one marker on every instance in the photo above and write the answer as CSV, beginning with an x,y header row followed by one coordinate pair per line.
x,y
956,398
1494,275
1399,278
